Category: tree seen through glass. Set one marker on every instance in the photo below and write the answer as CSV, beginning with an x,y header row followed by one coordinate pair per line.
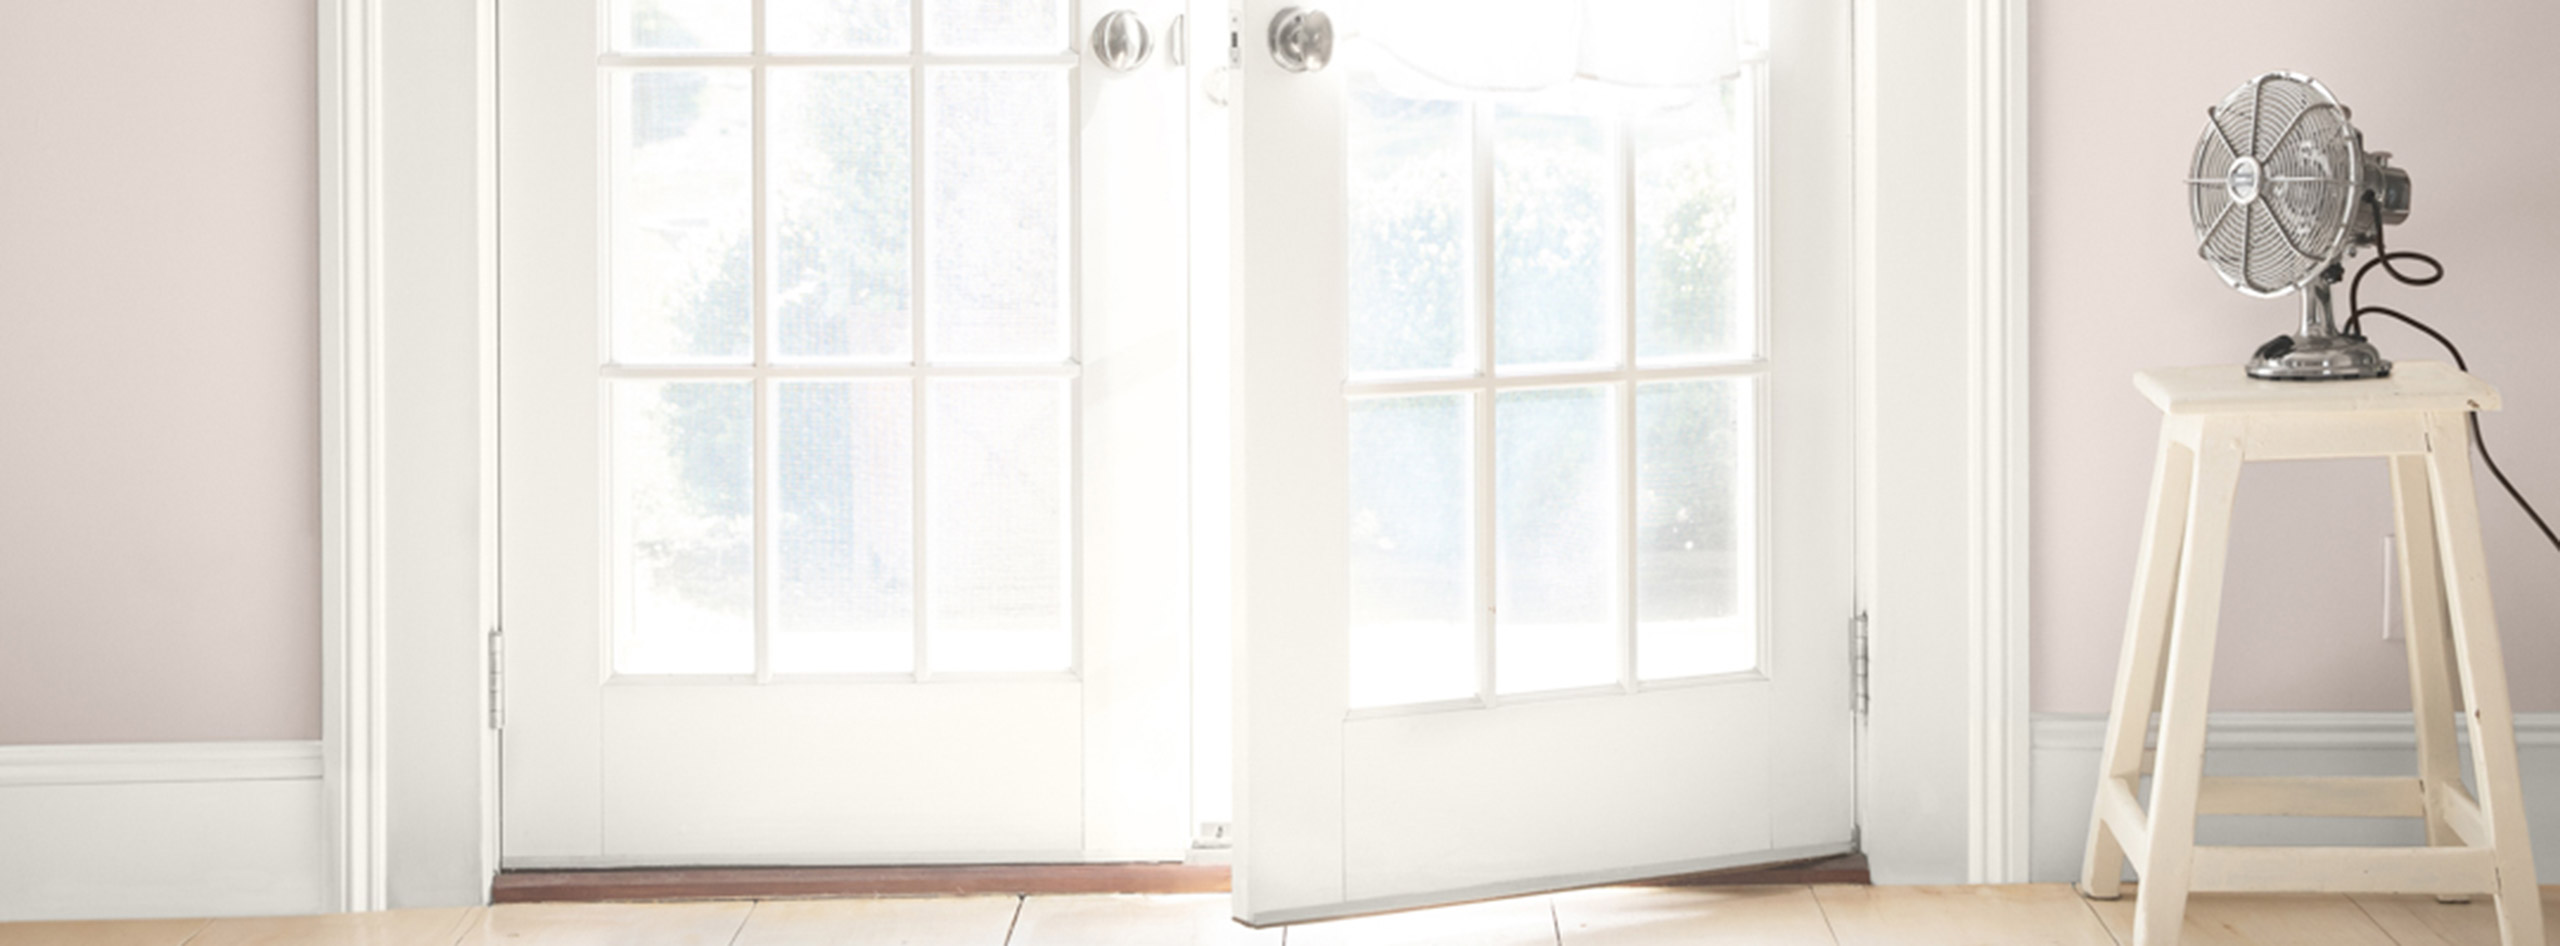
x,y
1608,232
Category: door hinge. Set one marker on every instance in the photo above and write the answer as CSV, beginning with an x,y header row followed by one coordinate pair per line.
x,y
1858,664
497,678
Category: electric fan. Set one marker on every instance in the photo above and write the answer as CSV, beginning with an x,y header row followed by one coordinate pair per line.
x,y
2282,191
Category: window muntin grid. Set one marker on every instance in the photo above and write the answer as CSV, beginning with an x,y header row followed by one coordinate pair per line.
x,y
1570,503
839,361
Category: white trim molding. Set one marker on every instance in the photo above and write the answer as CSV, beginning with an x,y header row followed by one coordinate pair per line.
x,y
2278,744
408,144
137,830
127,763
352,504
1940,130
1996,546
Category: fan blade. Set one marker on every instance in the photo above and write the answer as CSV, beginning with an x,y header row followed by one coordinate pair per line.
x,y
2287,233
2291,126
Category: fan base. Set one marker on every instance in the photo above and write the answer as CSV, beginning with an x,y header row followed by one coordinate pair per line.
x,y
2318,358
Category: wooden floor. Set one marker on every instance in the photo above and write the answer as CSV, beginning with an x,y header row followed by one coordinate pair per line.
x,y
1612,916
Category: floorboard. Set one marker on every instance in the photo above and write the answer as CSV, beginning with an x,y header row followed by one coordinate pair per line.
x,y
2022,914
2225,919
385,928
881,921
609,924
1691,916
2421,921
1519,921
100,933
1188,920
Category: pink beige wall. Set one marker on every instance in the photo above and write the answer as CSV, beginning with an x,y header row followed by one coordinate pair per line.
x,y
158,552
159,428
2463,94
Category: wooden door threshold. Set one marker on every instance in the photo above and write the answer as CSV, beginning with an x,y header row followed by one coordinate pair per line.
x,y
763,883
744,883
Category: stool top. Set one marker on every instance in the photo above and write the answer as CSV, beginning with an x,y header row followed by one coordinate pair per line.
x,y
2226,389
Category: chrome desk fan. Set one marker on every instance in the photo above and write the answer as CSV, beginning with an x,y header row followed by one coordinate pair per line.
x,y
2282,191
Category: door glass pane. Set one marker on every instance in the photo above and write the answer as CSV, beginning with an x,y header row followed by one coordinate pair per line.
x,y
679,26
1551,220
989,26
837,163
1695,230
997,234
1411,164
844,528
1412,555
835,26
683,527
1696,532
1555,539
682,159
996,502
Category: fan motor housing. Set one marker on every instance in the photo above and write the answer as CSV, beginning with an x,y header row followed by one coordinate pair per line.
x,y
2390,187
2243,179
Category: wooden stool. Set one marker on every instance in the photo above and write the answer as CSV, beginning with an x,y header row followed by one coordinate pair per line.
x,y
2216,419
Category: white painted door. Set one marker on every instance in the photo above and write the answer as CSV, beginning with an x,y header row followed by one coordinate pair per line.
x,y
842,348
1543,510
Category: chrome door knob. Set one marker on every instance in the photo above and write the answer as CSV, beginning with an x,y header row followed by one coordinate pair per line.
x,y
1120,41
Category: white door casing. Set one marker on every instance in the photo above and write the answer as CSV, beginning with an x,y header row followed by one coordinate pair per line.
x,y
1342,810
360,60
1082,759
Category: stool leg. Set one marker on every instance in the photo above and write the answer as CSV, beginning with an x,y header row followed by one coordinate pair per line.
x,y
2431,684
2166,872
2484,677
2146,638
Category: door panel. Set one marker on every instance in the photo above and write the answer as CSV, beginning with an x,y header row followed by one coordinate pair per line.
x,y
844,481
1543,521
1006,758
1460,802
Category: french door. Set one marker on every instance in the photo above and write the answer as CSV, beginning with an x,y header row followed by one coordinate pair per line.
x,y
842,434
1544,541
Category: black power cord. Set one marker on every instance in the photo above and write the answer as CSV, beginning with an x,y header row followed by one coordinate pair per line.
x,y
2388,260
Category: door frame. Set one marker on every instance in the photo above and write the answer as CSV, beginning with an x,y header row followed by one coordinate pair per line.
x,y
351,436
407,250
1942,98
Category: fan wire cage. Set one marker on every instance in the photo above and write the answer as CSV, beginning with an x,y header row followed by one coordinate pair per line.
x,y
2304,157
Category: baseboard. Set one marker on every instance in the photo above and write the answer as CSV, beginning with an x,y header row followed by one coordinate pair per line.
x,y
238,828
143,830
2065,778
